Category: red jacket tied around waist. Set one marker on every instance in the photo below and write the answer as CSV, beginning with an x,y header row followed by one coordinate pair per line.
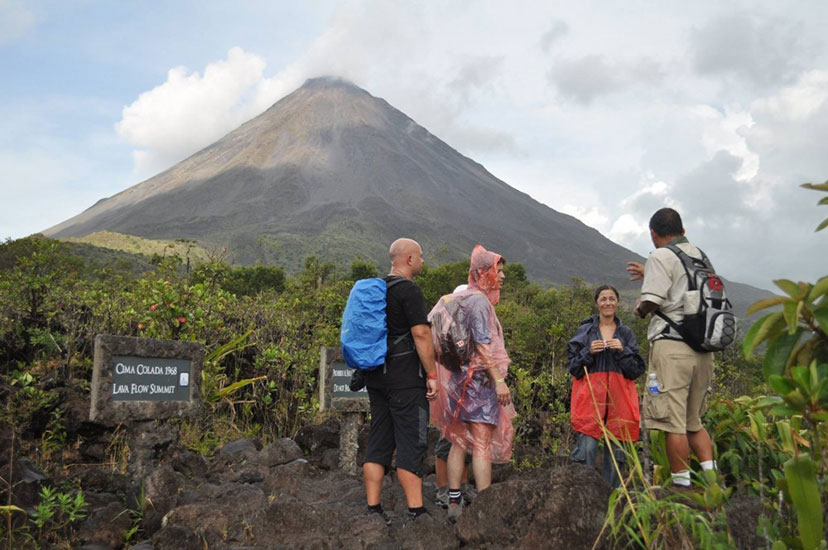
x,y
603,389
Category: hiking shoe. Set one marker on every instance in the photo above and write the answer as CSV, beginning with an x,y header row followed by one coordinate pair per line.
x,y
385,517
455,509
411,517
441,499
469,493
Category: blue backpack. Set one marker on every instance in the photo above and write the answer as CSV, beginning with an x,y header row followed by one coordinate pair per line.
x,y
364,331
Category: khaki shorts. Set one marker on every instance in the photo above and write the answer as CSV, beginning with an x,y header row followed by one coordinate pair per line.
x,y
685,377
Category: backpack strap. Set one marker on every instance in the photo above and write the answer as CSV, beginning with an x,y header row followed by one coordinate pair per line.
x,y
687,264
396,280
407,335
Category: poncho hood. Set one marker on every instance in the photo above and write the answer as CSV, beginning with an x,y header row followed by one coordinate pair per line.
x,y
483,272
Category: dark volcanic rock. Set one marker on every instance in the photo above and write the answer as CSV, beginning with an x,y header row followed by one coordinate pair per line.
x,y
572,511
190,464
106,526
279,452
176,538
319,436
161,487
743,512
234,448
25,477
564,510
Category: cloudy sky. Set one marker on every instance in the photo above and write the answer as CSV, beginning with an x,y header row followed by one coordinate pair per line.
x,y
603,110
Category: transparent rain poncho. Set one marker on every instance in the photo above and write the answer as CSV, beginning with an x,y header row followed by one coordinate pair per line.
x,y
466,408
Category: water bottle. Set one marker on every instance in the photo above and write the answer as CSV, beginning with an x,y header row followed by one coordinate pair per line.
x,y
652,384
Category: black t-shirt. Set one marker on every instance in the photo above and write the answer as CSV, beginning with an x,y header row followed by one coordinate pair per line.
x,y
405,308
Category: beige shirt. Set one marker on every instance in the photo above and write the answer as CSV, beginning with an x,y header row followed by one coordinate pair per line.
x,y
665,284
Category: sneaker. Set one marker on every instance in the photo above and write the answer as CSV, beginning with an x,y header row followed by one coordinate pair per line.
x,y
441,499
455,509
469,493
385,517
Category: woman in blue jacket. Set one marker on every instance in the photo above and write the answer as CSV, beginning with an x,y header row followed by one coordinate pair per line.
x,y
603,358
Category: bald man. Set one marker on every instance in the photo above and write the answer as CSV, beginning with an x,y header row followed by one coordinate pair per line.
x,y
400,390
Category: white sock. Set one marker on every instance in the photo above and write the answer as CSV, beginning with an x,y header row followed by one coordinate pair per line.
x,y
682,478
708,465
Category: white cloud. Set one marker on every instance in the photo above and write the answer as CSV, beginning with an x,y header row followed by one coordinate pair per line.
x,y
627,229
191,110
590,216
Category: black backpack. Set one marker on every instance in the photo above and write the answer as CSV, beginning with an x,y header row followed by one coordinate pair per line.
x,y
709,323
450,332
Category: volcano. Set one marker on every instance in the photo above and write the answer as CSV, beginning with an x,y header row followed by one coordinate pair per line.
x,y
333,171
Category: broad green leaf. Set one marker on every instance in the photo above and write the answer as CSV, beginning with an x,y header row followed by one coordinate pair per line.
x,y
801,475
821,316
802,378
779,351
768,401
783,428
822,225
758,426
766,303
813,377
789,287
823,200
781,384
789,310
819,289
748,342
803,354
767,327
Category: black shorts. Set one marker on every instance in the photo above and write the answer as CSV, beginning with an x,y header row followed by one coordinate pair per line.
x,y
442,448
399,420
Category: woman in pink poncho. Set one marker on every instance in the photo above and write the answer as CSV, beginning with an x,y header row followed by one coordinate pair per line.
x,y
474,407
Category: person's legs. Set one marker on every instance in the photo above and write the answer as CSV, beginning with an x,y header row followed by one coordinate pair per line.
x,y
482,456
610,472
441,472
409,413
586,450
456,462
380,446
373,474
441,451
678,452
697,436
674,363
412,485
701,445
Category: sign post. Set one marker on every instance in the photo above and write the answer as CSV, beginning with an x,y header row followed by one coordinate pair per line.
x,y
141,383
334,393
